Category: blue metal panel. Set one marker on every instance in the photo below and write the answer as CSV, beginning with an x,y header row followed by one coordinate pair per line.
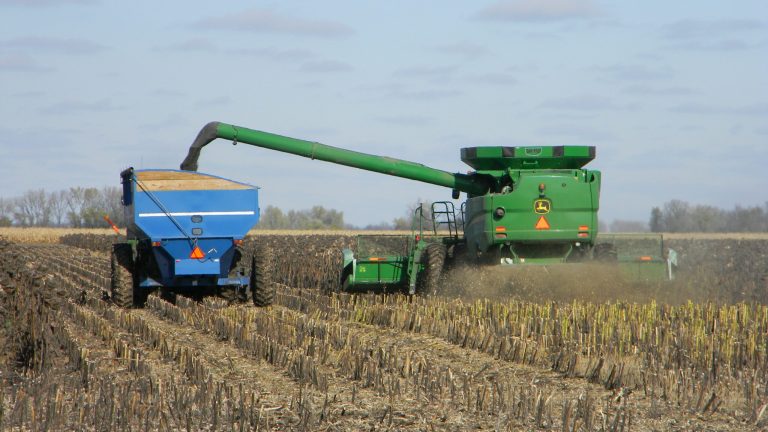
x,y
222,213
218,257
193,267
169,214
176,221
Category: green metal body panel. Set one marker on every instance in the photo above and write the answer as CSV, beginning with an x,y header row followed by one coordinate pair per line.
x,y
563,211
382,261
387,270
527,158
645,270
314,150
642,256
515,179
525,205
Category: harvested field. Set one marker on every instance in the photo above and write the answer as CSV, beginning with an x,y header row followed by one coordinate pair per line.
x,y
571,358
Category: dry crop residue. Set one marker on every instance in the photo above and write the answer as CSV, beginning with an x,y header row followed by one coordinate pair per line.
x,y
319,361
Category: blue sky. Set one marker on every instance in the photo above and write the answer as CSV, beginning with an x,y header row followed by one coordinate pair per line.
x,y
674,95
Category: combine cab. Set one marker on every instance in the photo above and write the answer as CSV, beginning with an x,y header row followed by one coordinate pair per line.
x,y
185,233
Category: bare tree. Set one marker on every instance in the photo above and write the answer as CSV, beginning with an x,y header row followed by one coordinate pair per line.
x,y
74,202
679,216
705,218
57,202
112,204
676,216
6,212
656,224
32,209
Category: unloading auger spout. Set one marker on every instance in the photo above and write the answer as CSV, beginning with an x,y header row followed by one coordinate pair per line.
x,y
472,184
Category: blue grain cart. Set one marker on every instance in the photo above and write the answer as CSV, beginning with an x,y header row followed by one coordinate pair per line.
x,y
185,232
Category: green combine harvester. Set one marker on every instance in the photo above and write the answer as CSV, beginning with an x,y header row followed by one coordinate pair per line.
x,y
524,206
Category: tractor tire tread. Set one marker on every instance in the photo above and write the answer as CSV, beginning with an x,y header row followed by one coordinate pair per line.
x,y
262,286
434,261
122,286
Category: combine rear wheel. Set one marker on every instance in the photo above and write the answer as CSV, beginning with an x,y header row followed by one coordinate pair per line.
x,y
122,287
262,288
433,260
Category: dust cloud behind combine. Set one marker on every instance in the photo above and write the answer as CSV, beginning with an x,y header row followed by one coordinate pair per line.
x,y
727,270
561,283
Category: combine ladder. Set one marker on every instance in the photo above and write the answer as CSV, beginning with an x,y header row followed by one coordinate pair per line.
x,y
444,216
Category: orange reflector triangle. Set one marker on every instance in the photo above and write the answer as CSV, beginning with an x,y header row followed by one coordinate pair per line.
x,y
542,224
197,253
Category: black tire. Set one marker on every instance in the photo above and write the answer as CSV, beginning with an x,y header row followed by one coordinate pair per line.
x,y
434,261
605,252
122,286
262,287
458,257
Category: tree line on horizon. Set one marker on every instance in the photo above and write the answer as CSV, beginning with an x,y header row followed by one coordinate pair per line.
x,y
80,207
681,216
76,207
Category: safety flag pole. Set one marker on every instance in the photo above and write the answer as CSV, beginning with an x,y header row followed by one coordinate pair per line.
x,y
114,227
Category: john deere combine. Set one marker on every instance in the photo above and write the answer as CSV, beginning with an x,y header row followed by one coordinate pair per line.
x,y
525,205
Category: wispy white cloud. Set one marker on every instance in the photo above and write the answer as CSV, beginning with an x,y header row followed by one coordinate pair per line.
x,y
325,66
168,93
575,133
21,63
698,108
191,45
436,73
715,35
29,94
214,101
199,45
428,94
400,91
267,21
587,103
695,29
725,45
74,107
276,54
645,90
538,10
492,78
634,72
466,50
406,120
43,3
57,45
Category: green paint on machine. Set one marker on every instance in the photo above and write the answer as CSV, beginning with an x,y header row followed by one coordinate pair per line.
x,y
525,205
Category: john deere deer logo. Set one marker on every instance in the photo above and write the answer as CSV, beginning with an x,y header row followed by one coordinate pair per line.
x,y
542,206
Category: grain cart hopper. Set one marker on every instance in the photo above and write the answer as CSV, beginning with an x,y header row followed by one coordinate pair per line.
x,y
525,205
184,234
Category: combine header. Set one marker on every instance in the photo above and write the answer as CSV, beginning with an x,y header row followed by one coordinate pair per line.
x,y
184,234
525,205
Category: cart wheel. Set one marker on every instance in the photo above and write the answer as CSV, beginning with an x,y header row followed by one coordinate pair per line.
x,y
262,287
122,286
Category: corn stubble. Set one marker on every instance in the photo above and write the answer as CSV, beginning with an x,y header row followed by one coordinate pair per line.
x,y
527,353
